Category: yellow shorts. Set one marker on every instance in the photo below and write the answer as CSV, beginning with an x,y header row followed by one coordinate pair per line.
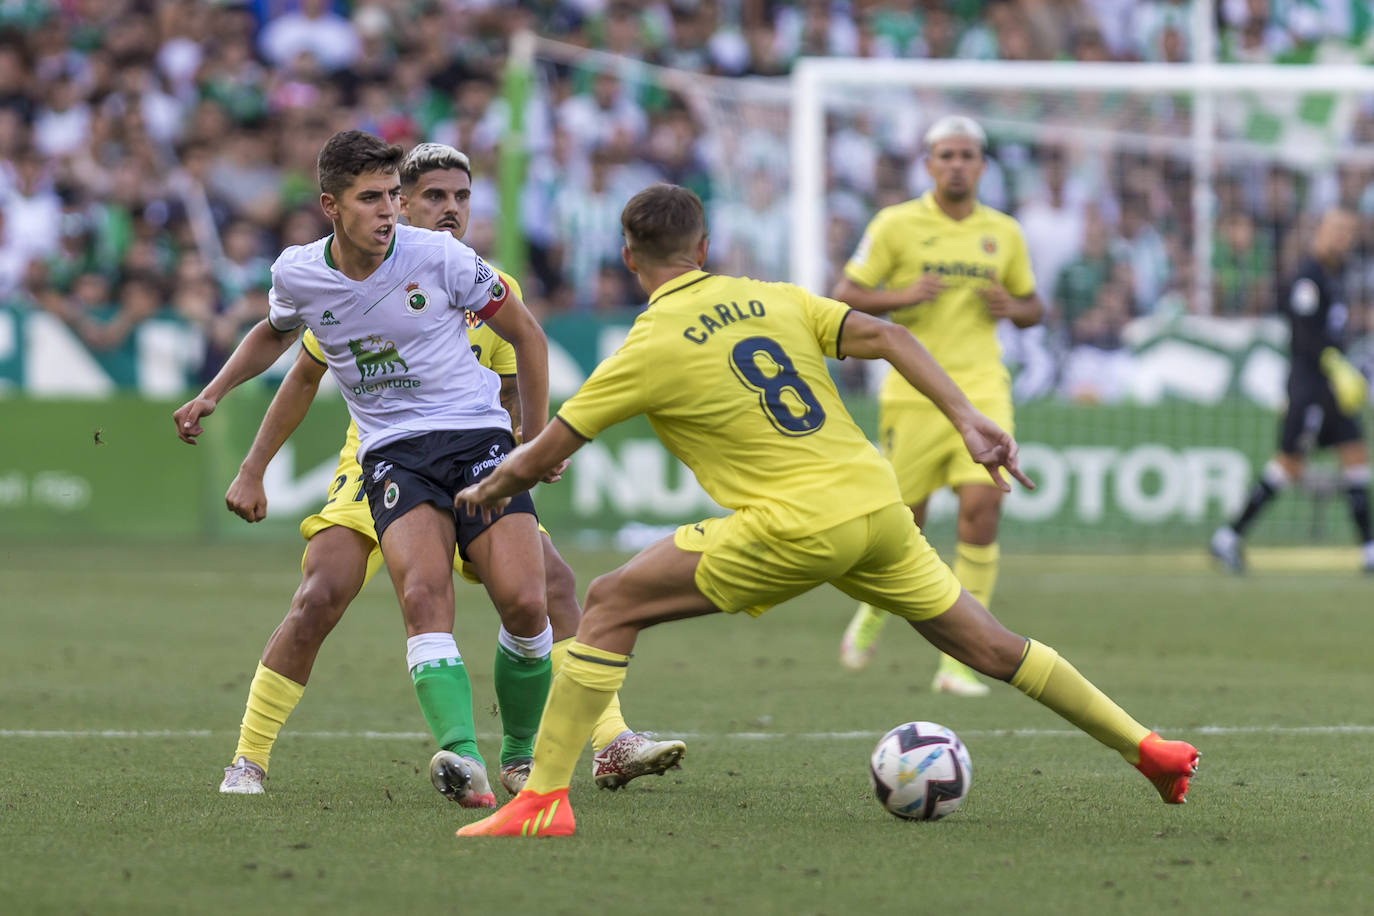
x,y
347,508
926,450
881,558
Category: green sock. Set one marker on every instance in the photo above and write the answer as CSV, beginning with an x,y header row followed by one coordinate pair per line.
x,y
445,696
522,686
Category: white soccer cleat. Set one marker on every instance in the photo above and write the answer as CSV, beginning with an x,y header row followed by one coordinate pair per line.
x,y
860,638
632,755
515,774
461,779
242,778
1227,547
958,679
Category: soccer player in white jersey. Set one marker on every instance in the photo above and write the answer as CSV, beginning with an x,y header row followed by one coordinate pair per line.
x,y
341,555
387,305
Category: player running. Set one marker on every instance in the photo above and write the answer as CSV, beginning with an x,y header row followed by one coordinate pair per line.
x,y
387,305
946,268
1325,392
732,374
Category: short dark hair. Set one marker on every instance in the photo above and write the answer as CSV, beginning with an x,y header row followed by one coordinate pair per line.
x,y
663,220
349,153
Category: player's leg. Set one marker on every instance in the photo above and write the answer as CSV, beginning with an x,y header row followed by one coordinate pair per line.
x,y
976,556
419,548
1354,459
619,753
1297,430
904,574
508,556
333,571
657,585
970,633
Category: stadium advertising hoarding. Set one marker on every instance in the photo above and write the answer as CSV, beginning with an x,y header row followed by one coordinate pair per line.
x,y
1109,475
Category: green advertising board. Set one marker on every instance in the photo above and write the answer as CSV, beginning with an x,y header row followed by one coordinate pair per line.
x,y
1109,476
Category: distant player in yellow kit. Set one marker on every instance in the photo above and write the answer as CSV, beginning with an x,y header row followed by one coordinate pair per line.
x,y
342,555
732,375
946,268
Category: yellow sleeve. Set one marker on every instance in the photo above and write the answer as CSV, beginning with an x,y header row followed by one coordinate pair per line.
x,y
1018,278
872,262
616,390
312,347
826,320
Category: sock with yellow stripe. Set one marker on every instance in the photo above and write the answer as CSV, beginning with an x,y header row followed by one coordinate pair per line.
x,y
1055,683
590,677
612,723
443,691
975,566
271,698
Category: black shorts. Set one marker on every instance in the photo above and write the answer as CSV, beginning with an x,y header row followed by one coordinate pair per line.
x,y
432,468
1313,419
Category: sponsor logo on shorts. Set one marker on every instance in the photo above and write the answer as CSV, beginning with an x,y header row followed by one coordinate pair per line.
x,y
381,470
417,300
391,494
496,456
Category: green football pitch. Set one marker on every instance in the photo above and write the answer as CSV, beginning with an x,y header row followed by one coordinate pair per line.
x,y
123,671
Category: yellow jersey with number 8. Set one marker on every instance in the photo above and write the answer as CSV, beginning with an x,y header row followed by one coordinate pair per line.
x,y
732,375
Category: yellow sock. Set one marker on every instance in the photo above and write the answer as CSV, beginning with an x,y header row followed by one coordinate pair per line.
x,y
1051,680
612,721
587,681
271,698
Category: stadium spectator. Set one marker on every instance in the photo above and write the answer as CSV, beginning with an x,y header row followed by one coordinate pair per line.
x,y
312,29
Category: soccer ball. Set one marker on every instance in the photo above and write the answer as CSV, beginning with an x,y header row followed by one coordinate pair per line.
x,y
920,771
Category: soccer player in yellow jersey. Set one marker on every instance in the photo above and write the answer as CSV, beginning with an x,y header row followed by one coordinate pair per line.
x,y
342,555
946,268
731,373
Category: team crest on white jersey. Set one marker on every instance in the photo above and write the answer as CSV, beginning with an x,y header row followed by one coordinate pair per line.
x,y
417,300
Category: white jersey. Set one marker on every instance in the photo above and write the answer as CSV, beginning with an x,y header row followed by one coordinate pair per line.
x,y
396,343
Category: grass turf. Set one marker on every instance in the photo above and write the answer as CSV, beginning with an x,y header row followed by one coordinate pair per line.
x,y
772,813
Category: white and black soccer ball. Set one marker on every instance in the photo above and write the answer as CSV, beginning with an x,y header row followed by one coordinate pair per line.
x,y
921,771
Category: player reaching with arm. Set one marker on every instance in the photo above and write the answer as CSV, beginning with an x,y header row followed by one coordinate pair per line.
x,y
1325,392
386,307
947,269
341,553
731,373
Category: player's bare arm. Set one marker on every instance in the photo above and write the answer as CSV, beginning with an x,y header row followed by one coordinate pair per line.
x,y
262,347
988,444
246,496
516,325
1024,311
881,301
532,462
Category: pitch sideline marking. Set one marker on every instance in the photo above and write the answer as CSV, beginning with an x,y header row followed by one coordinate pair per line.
x,y
731,736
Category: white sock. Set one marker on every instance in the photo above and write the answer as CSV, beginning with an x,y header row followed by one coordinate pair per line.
x,y
527,646
427,648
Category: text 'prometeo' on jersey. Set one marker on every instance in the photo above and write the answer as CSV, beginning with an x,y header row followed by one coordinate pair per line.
x,y
396,342
492,351
910,239
732,375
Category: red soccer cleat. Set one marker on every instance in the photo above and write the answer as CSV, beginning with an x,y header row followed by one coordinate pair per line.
x,y
1168,764
528,814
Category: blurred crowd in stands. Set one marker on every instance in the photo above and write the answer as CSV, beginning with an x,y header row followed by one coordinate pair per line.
x,y
155,156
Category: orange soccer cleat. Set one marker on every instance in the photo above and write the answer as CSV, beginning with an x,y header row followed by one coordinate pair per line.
x,y
1168,764
528,814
